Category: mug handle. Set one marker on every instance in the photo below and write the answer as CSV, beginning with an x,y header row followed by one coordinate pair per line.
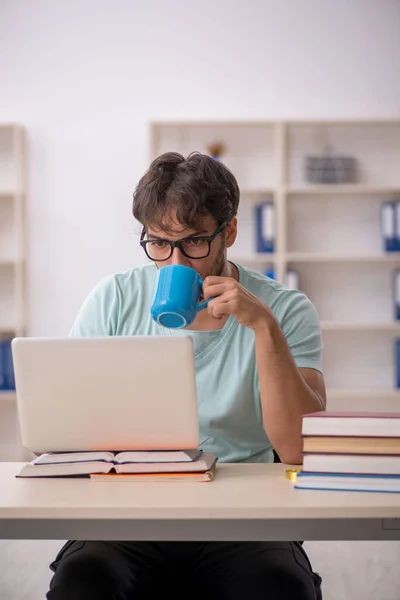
x,y
202,305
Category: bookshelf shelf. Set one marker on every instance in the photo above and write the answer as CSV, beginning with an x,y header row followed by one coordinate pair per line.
x,y
316,257
342,190
257,192
5,194
364,399
7,330
321,257
368,394
376,404
8,262
367,326
256,258
329,234
7,395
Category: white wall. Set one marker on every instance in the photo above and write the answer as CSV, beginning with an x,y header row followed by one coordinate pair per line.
x,y
86,76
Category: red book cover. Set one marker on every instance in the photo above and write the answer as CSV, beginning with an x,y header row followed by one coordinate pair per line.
x,y
351,423
353,414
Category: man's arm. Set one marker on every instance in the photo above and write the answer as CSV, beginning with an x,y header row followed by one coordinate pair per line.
x,y
287,388
287,392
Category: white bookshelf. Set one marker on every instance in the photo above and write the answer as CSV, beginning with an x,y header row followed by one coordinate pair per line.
x,y
329,233
12,230
12,269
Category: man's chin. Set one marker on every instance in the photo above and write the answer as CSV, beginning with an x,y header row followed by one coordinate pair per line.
x,y
217,271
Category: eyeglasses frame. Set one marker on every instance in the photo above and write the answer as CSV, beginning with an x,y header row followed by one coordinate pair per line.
x,y
178,243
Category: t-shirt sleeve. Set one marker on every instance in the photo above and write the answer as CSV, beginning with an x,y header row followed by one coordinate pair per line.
x,y
300,324
98,314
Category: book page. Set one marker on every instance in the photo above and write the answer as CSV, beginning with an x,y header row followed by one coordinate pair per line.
x,y
155,456
72,457
203,464
65,469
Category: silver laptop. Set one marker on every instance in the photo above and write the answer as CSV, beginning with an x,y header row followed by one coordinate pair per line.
x,y
109,393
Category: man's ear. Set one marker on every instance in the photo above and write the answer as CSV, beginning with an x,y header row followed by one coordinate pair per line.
x,y
231,232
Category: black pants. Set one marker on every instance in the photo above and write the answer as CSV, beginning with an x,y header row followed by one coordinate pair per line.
x,y
206,570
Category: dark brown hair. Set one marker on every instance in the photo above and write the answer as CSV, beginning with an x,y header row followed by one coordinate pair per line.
x,y
194,187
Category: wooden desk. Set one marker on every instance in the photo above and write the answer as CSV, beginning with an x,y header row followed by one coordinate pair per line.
x,y
244,502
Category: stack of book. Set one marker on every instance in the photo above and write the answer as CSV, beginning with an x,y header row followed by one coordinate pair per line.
x,y
151,465
351,451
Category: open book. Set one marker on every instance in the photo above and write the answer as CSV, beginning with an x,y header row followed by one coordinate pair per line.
x,y
128,456
86,463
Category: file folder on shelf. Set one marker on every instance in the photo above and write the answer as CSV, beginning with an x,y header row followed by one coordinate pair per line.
x,y
397,224
388,226
396,294
270,273
397,362
7,380
265,227
3,385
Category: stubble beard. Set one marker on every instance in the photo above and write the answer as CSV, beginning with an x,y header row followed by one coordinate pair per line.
x,y
219,264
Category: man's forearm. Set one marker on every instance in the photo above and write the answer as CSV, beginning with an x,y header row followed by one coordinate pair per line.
x,y
285,396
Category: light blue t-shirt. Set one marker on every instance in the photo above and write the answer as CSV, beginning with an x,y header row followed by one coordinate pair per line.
x,y
227,381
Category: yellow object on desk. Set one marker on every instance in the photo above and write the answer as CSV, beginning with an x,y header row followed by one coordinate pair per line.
x,y
292,474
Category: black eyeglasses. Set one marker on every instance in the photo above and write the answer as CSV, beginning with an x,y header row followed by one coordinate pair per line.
x,y
191,247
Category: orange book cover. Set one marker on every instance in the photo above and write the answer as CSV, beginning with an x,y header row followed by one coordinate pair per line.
x,y
184,476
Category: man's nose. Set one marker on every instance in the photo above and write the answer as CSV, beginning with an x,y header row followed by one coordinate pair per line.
x,y
177,258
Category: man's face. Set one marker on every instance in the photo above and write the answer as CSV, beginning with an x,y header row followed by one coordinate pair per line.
x,y
173,231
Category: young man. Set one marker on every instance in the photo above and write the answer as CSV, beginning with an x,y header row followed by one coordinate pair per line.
x,y
258,369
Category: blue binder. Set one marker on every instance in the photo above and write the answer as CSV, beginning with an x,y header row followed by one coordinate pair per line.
x,y
388,226
397,224
8,366
2,366
396,294
397,362
270,273
355,482
265,227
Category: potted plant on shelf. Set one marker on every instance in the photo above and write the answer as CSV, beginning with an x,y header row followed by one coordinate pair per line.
x,y
216,150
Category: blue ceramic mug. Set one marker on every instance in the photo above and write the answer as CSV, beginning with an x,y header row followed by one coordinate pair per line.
x,y
176,293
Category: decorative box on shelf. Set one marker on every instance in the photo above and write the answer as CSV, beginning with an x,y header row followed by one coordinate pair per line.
x,y
331,168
